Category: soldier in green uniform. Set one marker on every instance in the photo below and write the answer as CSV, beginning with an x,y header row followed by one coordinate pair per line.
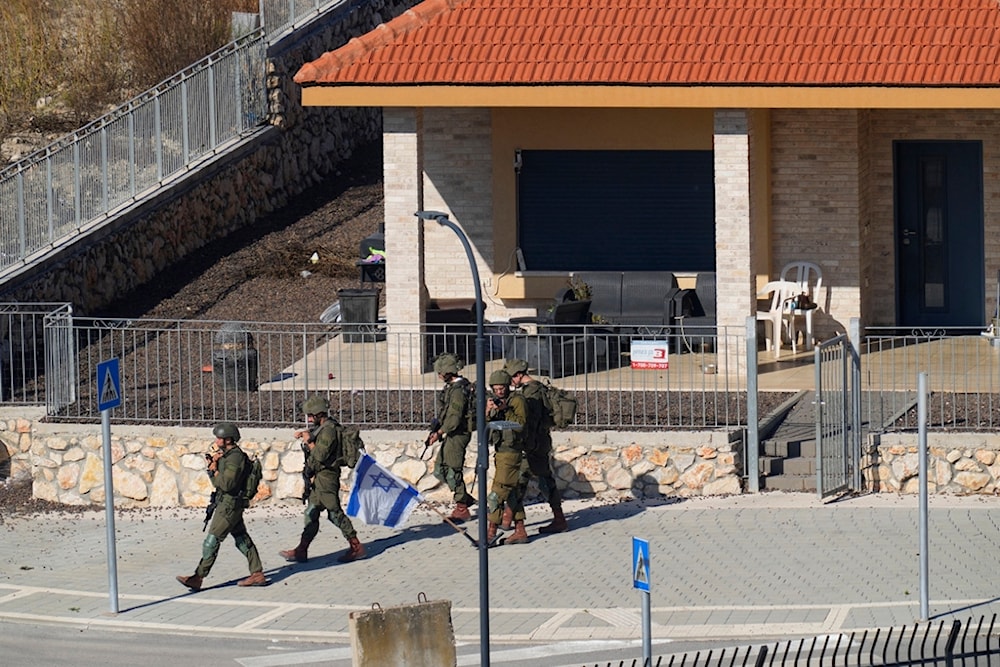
x,y
325,442
502,405
228,468
453,431
537,443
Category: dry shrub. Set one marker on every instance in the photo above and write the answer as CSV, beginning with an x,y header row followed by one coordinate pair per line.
x,y
162,38
29,57
91,54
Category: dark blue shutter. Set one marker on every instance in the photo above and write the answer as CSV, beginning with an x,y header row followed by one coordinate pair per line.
x,y
617,210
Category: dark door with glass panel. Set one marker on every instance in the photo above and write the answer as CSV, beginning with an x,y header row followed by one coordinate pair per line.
x,y
939,234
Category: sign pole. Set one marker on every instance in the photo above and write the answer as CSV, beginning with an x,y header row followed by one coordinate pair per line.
x,y
640,580
109,395
109,511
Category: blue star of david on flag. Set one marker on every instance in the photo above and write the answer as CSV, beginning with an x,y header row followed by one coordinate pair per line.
x,y
378,497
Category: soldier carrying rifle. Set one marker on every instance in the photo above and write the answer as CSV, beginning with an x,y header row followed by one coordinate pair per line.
x,y
229,468
453,429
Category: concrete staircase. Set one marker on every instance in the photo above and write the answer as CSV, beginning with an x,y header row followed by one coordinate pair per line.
x,y
788,454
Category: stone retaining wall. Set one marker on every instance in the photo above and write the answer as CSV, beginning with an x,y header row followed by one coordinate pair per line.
x,y
959,463
155,466
300,147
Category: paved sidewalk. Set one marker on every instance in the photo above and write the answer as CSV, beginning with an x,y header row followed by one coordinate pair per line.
x,y
772,565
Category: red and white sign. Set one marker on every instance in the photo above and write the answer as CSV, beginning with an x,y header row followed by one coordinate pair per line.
x,y
650,354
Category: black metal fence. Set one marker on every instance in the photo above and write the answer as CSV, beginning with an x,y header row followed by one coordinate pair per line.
x,y
946,643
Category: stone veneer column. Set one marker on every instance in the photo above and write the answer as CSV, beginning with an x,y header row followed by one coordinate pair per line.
x,y
735,279
404,236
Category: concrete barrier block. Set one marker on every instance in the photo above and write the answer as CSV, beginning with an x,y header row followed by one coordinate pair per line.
x,y
414,635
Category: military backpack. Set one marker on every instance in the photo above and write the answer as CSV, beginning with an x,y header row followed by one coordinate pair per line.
x,y
253,478
353,446
561,405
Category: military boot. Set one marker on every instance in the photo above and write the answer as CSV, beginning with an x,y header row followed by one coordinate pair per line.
x,y
519,536
507,519
491,534
460,513
297,555
355,552
255,579
193,582
558,524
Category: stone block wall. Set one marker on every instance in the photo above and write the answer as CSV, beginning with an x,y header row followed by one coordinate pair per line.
x,y
165,467
958,463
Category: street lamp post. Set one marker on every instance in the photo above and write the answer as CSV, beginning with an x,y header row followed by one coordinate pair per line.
x,y
482,452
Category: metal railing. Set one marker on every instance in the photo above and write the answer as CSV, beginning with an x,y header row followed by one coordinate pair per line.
x,y
22,351
953,643
53,195
281,16
82,179
963,368
194,372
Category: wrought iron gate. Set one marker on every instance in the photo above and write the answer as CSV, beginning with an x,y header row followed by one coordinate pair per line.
x,y
60,359
838,431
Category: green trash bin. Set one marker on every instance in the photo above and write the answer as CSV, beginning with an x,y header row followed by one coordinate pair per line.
x,y
359,315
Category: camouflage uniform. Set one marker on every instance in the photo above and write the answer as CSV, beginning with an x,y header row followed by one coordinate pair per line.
x,y
538,444
509,445
454,405
325,459
229,477
234,466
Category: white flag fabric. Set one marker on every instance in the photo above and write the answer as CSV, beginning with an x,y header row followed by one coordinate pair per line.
x,y
378,497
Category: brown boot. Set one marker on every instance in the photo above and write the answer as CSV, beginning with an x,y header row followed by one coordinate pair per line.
x,y
299,554
355,552
507,519
193,582
460,513
519,536
558,524
491,534
255,579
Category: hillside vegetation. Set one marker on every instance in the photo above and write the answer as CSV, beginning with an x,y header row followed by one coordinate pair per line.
x,y
66,62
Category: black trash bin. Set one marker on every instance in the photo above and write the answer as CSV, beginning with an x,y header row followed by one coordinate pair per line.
x,y
358,314
234,358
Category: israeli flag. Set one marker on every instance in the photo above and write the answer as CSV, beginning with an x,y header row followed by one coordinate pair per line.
x,y
378,497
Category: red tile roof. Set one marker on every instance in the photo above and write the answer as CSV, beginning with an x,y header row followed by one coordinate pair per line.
x,y
675,42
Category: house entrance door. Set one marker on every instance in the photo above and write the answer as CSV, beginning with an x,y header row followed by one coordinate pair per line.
x,y
939,234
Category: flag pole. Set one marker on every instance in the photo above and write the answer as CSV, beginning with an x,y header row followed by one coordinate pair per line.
x,y
451,523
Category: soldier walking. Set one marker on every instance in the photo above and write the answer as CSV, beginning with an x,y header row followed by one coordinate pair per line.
x,y
454,432
324,440
509,446
228,467
537,444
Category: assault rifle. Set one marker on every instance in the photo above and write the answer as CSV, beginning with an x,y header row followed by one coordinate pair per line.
x,y
210,510
307,472
213,500
434,426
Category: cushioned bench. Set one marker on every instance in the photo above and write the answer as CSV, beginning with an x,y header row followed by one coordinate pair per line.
x,y
631,298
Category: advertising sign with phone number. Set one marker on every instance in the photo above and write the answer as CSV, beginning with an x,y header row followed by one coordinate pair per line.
x,y
650,354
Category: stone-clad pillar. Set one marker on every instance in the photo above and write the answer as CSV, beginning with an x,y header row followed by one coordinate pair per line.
x,y
404,236
734,240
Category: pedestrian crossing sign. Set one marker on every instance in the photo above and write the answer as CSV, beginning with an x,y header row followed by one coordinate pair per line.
x,y
640,564
109,385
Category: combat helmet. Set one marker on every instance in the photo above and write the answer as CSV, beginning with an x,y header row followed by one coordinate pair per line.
x,y
501,377
515,366
316,405
447,364
226,431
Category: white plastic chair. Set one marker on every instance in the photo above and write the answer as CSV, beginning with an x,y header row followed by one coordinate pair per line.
x,y
808,279
779,291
